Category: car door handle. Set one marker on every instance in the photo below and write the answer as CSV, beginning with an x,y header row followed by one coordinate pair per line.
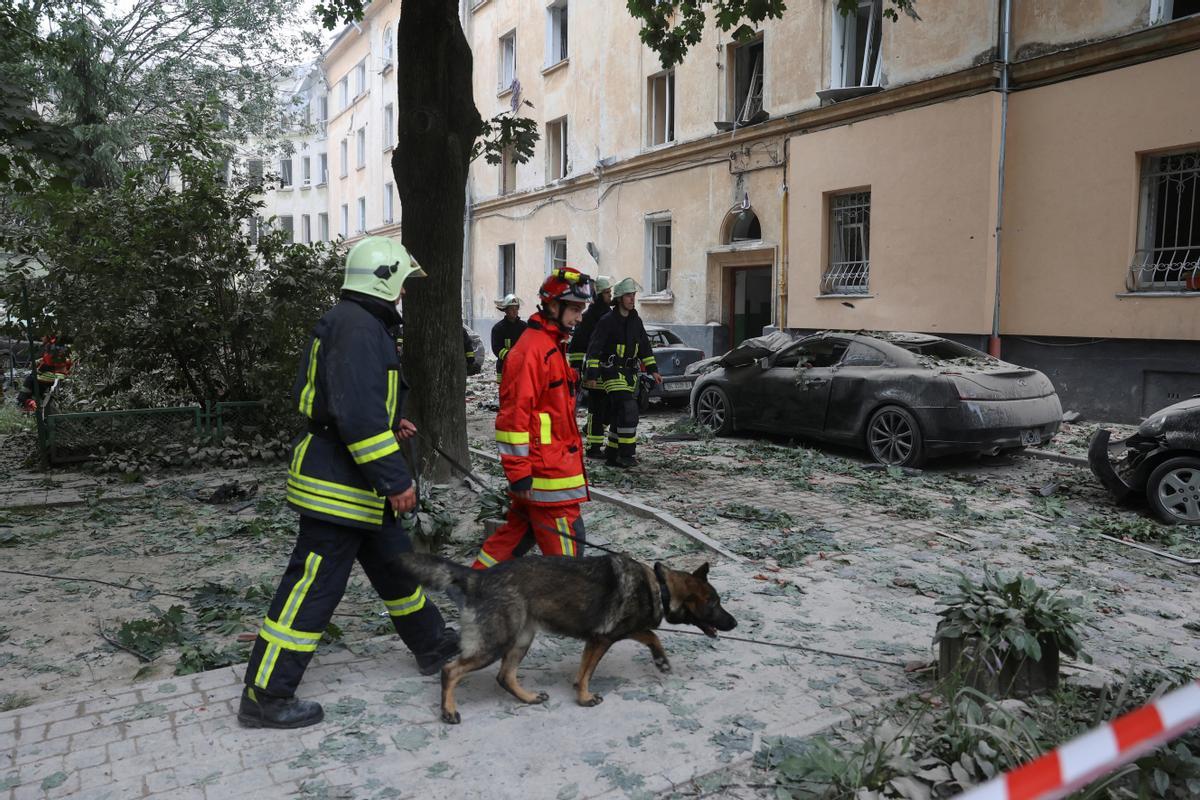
x,y
816,381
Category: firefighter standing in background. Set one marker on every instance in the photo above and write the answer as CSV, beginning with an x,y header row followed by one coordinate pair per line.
x,y
619,349
351,486
597,400
506,332
54,365
536,432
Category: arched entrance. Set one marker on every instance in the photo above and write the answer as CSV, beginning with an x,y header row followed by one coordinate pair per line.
x,y
747,275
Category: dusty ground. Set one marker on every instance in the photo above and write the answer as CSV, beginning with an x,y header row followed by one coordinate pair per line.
x,y
854,555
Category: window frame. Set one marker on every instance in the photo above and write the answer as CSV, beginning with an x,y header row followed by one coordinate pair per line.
x,y
389,127
323,226
344,151
841,208
285,172
306,171
345,220
558,163
655,138
361,207
360,148
553,257
360,79
306,229
322,168
736,105
503,85
558,32
506,276
841,33
1156,179
508,170
655,224
389,208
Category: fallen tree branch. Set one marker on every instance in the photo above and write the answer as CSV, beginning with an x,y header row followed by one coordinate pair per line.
x,y
93,580
145,659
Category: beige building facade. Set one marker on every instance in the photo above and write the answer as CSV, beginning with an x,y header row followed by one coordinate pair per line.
x,y
859,173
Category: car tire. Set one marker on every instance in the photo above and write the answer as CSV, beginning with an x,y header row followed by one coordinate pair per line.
x,y
1173,490
714,411
893,437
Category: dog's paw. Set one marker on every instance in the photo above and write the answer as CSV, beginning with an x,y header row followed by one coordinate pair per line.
x,y
451,718
594,700
662,664
540,697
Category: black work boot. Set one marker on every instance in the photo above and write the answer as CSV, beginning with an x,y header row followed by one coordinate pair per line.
x,y
258,710
595,452
446,650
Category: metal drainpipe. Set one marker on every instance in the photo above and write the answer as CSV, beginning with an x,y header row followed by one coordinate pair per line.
x,y
781,312
1006,36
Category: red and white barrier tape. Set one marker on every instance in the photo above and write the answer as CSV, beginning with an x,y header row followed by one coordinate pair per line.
x,y
1095,753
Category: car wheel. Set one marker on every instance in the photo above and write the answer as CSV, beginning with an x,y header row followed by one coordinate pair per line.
x,y
1173,490
894,438
713,410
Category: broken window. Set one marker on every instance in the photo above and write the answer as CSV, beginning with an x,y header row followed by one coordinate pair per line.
x,y
557,164
855,45
508,170
1168,256
556,253
861,355
660,255
556,32
661,102
508,62
849,244
508,269
812,353
749,73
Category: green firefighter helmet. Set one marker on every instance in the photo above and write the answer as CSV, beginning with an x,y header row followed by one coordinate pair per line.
x,y
625,286
378,266
603,282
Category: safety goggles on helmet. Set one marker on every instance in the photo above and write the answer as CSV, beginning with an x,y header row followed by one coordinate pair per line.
x,y
567,285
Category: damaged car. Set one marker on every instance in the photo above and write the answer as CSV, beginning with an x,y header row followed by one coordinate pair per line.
x,y
1160,463
903,397
673,357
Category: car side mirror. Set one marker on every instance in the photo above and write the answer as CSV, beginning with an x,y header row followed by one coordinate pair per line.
x,y
764,363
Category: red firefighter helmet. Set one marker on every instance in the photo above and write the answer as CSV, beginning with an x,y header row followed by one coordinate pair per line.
x,y
568,285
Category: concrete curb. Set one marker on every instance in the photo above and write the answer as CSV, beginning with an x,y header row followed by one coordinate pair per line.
x,y
640,509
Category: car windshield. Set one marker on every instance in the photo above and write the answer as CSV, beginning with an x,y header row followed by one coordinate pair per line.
x,y
663,339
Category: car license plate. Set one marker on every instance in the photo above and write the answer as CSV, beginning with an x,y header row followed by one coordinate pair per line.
x,y
676,386
1031,437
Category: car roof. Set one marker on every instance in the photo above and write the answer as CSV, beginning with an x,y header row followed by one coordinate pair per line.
x,y
888,337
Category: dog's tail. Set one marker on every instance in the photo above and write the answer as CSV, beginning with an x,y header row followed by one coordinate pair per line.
x,y
438,573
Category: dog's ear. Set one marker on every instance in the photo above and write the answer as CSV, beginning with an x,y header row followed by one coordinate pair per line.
x,y
660,571
702,571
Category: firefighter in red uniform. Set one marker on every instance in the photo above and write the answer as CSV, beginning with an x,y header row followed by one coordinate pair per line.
x,y
54,365
536,433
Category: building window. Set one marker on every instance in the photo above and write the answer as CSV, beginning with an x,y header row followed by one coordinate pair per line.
x,y
1167,10
508,61
508,269
322,169
306,170
255,168
323,226
556,253
389,126
285,173
556,32
361,147
389,193
746,87
362,215
345,221
557,164
306,229
508,170
661,102
849,244
344,147
855,45
1168,255
360,79
322,112
389,46
287,225
343,93
658,241
254,229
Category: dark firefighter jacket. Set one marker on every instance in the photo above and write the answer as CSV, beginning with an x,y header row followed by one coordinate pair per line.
x,y
619,346
351,389
504,335
577,351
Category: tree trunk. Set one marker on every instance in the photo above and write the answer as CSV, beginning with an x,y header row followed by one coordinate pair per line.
x,y
437,125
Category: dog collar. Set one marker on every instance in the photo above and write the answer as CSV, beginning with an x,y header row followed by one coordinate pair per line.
x,y
665,594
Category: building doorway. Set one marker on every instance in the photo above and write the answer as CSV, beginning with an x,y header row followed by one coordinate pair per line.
x,y
749,293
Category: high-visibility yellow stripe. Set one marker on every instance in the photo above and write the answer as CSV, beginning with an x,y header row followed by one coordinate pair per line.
x,y
558,483
567,545
309,392
392,392
621,350
485,559
544,419
404,606
367,450
298,455
649,361
318,486
512,437
333,506
290,609
370,441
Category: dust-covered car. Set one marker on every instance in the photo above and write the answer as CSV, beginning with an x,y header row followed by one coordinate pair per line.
x,y
903,397
1160,462
673,358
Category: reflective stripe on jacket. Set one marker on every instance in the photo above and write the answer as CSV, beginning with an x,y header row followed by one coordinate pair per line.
x,y
619,348
351,388
505,334
536,433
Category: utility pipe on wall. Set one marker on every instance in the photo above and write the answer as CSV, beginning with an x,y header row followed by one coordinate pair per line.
x,y
1005,7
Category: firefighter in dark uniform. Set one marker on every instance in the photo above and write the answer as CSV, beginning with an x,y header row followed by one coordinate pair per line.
x,y
352,486
506,332
619,349
597,400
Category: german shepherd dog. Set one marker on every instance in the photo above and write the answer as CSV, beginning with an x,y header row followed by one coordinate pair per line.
x,y
599,599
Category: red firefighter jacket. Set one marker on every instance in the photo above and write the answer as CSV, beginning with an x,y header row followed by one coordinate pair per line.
x,y
536,433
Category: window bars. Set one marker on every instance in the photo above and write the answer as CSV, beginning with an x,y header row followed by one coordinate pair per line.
x,y
1168,256
849,244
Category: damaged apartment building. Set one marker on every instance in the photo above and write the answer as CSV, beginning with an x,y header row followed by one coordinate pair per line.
x,y
1019,175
